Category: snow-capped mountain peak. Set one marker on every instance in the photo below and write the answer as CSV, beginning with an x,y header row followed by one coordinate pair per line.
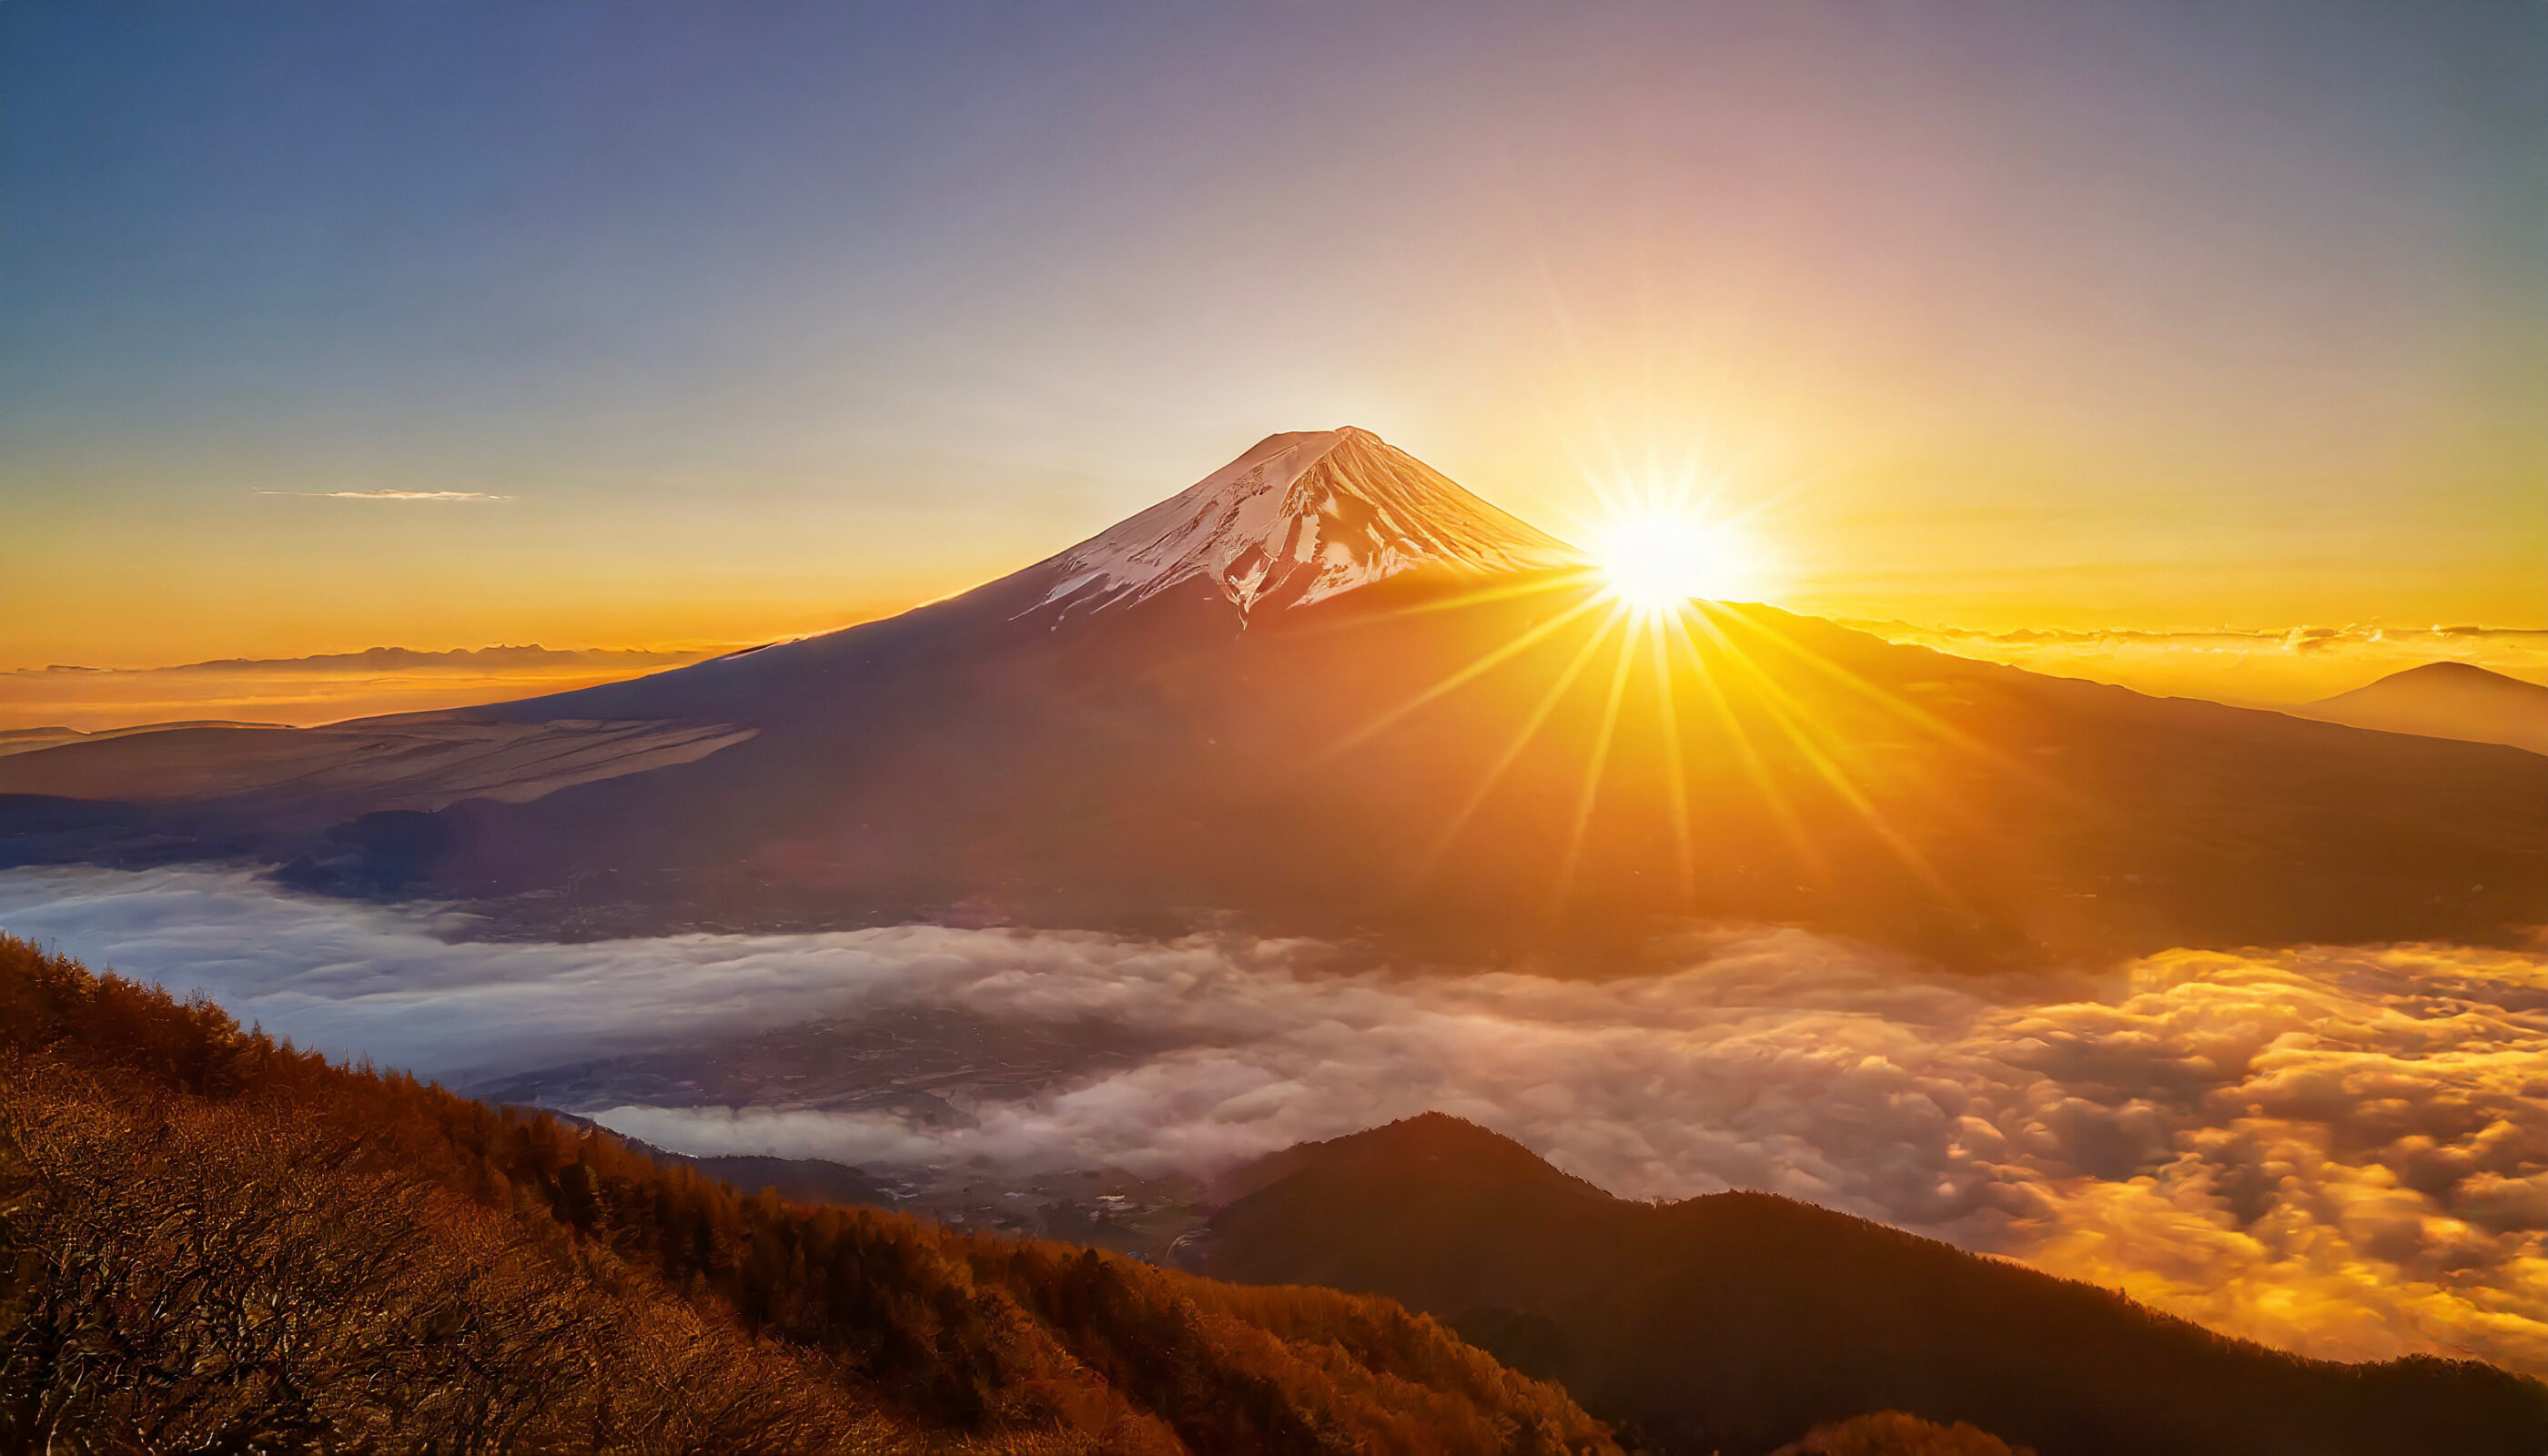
x,y
1296,519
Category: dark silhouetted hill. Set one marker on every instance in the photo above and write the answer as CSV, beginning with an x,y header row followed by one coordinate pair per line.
x,y
1735,1321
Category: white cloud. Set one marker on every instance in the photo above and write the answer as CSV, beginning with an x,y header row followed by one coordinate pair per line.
x,y
2288,664
2340,1151
388,495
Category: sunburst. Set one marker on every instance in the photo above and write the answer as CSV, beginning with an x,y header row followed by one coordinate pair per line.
x,y
1658,562
1648,601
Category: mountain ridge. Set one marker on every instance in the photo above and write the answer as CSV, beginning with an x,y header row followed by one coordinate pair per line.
x,y
1724,1321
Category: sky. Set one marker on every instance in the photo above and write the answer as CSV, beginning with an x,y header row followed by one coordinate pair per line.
x,y
704,323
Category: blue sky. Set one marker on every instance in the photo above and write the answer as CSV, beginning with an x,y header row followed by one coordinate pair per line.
x,y
768,316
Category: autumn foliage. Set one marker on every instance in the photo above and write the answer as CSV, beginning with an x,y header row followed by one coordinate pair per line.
x,y
1894,1434
211,1241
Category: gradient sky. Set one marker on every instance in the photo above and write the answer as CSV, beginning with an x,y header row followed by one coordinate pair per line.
x,y
769,317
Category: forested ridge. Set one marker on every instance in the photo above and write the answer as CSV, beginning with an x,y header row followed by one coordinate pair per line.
x,y
211,1241
1725,1325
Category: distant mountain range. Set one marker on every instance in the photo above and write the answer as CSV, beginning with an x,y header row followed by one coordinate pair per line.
x,y
1328,692
1729,1322
2446,700
408,660
65,703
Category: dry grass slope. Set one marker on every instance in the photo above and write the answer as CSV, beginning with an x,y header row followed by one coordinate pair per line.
x,y
210,1242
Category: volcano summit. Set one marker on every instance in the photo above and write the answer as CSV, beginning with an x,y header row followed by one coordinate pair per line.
x,y
1298,519
1328,692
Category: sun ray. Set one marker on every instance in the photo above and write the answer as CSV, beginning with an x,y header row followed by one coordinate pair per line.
x,y
1678,772
1629,630
1539,714
1793,718
1755,768
1912,715
1536,584
1657,559
1909,712
1463,676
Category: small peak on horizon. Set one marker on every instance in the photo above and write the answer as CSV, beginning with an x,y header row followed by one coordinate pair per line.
x,y
1434,1131
2451,668
1444,1130
1439,1139
2440,672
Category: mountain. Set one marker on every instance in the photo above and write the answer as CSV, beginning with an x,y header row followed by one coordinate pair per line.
x,y
1299,519
1326,692
1733,1321
217,1244
2446,700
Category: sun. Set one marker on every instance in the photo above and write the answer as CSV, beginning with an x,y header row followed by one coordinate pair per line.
x,y
1655,563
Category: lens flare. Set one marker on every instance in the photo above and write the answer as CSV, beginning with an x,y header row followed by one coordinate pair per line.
x,y
1656,563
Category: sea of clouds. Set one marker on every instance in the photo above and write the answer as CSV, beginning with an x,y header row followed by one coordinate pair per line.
x,y
2281,664
2340,1151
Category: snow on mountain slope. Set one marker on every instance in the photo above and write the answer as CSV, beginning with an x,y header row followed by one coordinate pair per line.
x,y
1298,518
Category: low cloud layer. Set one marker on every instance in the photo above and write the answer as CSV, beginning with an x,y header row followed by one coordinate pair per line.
x,y
323,688
2338,1150
2284,665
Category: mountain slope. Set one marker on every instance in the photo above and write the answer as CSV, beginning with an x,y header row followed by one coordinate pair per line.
x,y
356,767
1732,1322
214,1243
2446,700
1452,759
